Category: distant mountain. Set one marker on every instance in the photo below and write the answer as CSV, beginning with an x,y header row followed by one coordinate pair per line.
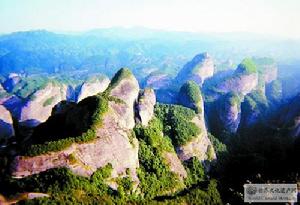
x,y
106,50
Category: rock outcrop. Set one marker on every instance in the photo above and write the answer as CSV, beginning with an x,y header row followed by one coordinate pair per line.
x,y
200,146
13,104
38,107
113,144
92,87
145,106
198,69
229,112
274,92
21,197
243,80
253,109
289,117
6,123
190,96
12,80
175,164
270,73
157,80
267,69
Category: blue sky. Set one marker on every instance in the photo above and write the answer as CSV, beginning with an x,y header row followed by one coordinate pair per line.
x,y
276,17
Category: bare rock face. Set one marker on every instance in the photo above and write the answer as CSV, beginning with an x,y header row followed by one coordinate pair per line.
x,y
157,80
93,87
290,117
190,96
270,73
253,109
230,112
125,87
240,84
114,142
243,80
198,69
175,164
38,108
200,146
145,106
267,68
13,104
12,80
6,123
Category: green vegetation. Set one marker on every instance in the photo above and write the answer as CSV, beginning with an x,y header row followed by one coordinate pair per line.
x,y
158,184
219,147
155,176
95,78
274,91
260,155
123,73
233,98
59,145
177,123
210,153
257,100
152,135
195,171
66,188
190,96
101,107
204,193
49,101
3,94
247,66
262,62
27,86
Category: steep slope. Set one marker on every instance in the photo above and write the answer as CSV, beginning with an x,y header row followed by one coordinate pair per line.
x,y
267,68
6,123
253,109
108,139
12,80
157,80
198,69
113,148
38,107
244,79
229,112
289,117
92,87
199,146
145,106
190,96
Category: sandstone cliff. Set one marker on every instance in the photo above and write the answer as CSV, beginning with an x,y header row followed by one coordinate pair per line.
x,y
157,80
6,123
243,80
198,69
92,87
200,146
113,144
145,106
38,107
229,112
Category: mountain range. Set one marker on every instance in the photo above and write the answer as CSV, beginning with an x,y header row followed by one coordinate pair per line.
x,y
176,127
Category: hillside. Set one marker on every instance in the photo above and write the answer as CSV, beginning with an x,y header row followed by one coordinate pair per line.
x,y
110,140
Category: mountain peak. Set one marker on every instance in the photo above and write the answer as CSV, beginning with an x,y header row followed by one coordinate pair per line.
x,y
247,66
198,69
